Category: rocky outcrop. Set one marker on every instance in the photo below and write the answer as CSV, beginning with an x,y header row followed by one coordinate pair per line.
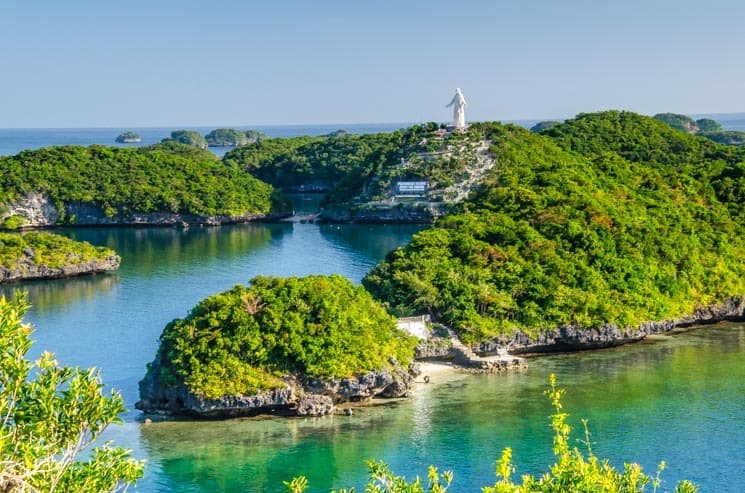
x,y
26,270
401,213
572,338
39,211
36,209
297,397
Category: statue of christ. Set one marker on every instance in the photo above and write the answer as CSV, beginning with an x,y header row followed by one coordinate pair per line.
x,y
459,109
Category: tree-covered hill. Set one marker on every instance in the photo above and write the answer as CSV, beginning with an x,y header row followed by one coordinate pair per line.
x,y
243,340
359,167
608,218
166,177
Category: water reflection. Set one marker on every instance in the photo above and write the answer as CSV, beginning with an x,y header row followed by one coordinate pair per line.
x,y
145,251
47,295
363,240
260,453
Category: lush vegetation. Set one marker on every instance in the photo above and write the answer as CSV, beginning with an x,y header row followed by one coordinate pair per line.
x,y
54,251
575,470
226,137
243,340
49,416
616,218
544,125
359,167
187,137
705,127
684,123
166,177
128,137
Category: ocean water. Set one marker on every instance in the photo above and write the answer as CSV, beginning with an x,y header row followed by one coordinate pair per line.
x,y
15,140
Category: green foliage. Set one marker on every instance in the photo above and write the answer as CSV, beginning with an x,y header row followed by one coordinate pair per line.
x,y
187,137
13,222
556,237
54,251
708,125
574,471
728,137
255,136
49,415
704,127
128,137
243,340
166,177
226,137
359,167
683,123
545,125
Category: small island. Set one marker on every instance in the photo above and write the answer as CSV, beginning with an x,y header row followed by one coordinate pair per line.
x,y
129,138
705,127
187,137
289,346
49,256
229,137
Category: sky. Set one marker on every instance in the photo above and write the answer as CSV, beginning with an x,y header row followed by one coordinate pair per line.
x,y
80,63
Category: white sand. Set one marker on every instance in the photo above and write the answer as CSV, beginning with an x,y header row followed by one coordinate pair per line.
x,y
432,369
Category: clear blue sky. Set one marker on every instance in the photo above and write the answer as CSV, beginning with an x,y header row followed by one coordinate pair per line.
x,y
87,63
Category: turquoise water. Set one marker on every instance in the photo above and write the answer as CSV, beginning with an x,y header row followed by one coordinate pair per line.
x,y
680,399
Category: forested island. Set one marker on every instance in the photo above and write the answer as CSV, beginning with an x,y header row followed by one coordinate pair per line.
x,y
597,231
129,138
163,184
293,346
705,127
50,256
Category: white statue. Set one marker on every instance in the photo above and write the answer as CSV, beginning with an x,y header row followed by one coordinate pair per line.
x,y
459,109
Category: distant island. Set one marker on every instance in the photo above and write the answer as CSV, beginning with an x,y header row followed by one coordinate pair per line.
x,y
228,137
705,127
50,256
187,137
129,138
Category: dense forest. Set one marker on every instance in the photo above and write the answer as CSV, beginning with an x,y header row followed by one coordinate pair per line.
x,y
349,166
241,341
166,177
607,218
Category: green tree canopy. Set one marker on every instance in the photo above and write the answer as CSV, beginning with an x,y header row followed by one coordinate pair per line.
x,y
243,340
49,416
166,177
187,137
630,221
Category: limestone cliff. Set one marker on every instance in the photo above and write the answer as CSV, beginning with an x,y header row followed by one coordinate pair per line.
x,y
299,396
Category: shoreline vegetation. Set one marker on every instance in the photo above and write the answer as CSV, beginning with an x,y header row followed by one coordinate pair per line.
x,y
41,255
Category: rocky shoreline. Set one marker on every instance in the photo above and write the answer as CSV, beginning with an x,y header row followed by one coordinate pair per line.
x,y
26,270
299,396
399,213
39,211
572,338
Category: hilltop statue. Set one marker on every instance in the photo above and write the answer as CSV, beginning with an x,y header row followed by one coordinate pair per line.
x,y
459,109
